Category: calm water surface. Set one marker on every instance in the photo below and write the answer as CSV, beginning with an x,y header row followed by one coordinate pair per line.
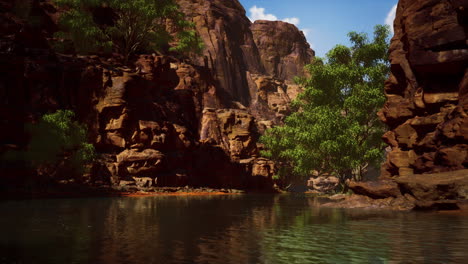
x,y
223,229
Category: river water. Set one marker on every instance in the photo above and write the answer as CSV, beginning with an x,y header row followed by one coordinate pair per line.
x,y
223,229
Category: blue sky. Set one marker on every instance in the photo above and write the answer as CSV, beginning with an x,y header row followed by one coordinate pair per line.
x,y
325,22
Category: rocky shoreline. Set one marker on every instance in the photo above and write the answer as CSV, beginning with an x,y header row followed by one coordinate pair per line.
x,y
438,191
81,191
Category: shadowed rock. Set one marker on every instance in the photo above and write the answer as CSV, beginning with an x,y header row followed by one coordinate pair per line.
x,y
438,191
426,106
437,186
375,189
158,120
323,184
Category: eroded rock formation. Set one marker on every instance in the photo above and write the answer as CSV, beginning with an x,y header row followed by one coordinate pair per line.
x,y
426,111
426,106
160,121
230,51
283,49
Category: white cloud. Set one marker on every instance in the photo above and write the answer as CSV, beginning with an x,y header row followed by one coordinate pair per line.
x,y
391,17
293,20
258,13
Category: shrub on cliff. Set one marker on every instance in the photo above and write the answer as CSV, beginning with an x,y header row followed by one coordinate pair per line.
x,y
57,143
335,129
126,26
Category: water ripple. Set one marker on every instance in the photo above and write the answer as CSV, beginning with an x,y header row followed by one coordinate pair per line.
x,y
244,229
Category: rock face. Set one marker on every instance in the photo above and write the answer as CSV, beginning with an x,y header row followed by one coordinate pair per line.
x,y
159,121
271,99
323,184
436,187
427,104
230,51
236,50
439,191
283,49
426,111
375,189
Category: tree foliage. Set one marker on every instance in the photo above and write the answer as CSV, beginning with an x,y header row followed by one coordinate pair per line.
x,y
126,26
57,139
334,128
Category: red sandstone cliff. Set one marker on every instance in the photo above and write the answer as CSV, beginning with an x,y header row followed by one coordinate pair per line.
x,y
426,106
426,111
160,121
284,51
230,51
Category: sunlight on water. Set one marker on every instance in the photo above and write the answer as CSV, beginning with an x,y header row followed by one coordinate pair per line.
x,y
223,229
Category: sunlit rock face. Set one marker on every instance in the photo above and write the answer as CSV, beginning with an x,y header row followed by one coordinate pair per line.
x,y
235,48
284,51
230,51
427,92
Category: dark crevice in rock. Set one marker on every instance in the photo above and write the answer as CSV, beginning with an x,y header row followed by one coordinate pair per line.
x,y
462,16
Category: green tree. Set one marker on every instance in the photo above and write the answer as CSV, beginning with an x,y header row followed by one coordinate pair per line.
x,y
57,140
334,128
126,26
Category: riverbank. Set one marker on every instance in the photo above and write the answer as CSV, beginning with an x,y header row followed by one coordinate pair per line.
x,y
79,191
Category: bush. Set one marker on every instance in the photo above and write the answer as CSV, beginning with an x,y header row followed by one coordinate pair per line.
x,y
57,141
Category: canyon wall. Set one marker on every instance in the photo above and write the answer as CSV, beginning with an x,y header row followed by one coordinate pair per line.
x,y
230,51
161,121
284,51
427,92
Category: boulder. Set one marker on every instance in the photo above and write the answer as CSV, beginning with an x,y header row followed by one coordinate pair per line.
x,y
144,182
264,168
375,189
323,184
140,163
437,186
401,203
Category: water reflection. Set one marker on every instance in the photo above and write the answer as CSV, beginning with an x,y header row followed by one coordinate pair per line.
x,y
223,229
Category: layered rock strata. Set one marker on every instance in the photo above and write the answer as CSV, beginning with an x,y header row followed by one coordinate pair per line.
x,y
161,121
236,50
426,111
230,51
284,51
426,106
